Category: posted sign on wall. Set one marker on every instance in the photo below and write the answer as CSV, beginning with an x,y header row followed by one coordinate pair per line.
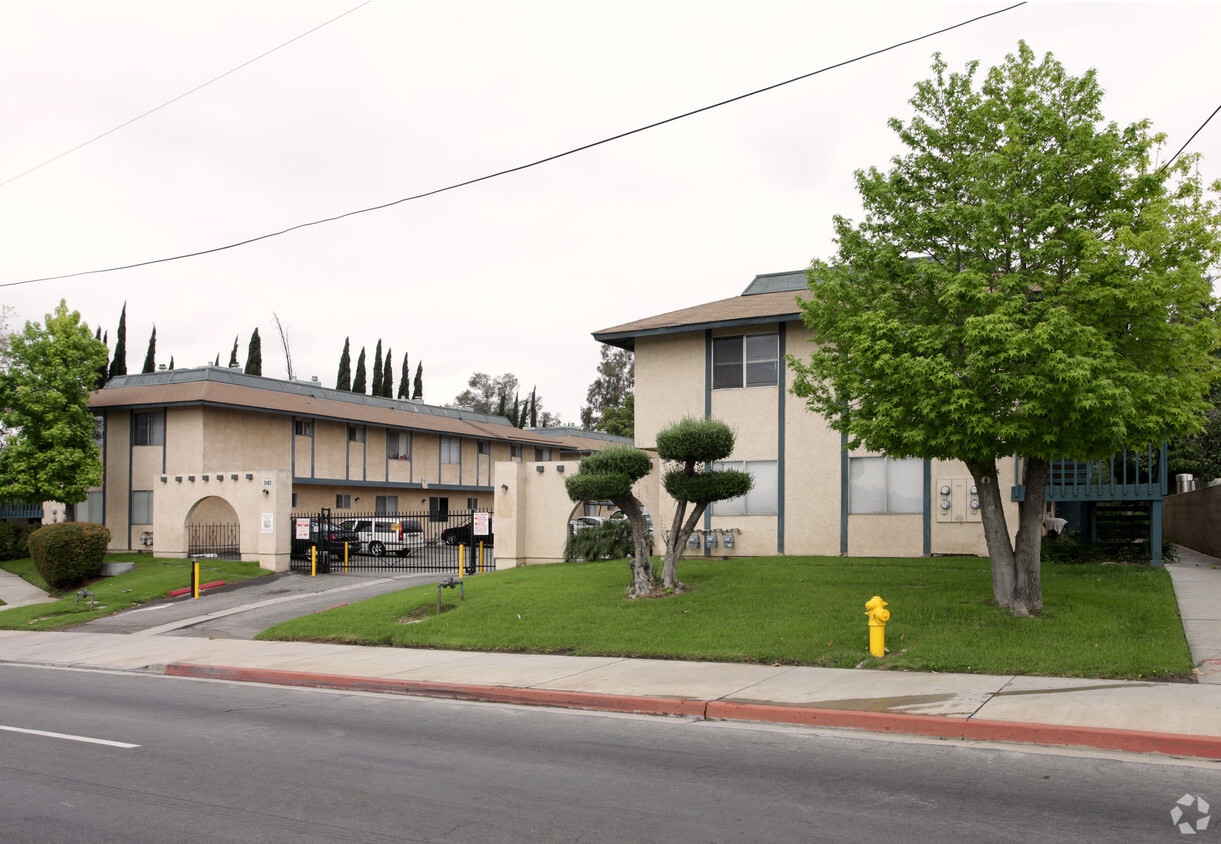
x,y
482,523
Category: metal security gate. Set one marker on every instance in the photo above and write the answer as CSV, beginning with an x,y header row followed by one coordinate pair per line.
x,y
216,541
390,542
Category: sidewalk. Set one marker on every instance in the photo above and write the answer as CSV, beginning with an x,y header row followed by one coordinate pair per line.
x,y
1180,719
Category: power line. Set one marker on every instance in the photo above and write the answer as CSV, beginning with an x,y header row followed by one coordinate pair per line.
x,y
180,96
1189,140
518,168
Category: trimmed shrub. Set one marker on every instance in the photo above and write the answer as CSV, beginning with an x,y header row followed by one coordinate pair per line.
x,y
69,553
611,540
13,538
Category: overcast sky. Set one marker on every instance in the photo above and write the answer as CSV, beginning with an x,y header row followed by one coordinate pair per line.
x,y
399,98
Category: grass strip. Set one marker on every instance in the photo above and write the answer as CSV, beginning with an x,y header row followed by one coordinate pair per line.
x,y
151,579
1105,621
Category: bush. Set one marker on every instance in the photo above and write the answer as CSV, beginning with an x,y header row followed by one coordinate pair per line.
x,y
13,538
1073,550
611,540
69,553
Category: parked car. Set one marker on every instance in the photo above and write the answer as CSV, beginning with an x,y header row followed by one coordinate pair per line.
x,y
463,534
582,522
382,535
648,520
329,539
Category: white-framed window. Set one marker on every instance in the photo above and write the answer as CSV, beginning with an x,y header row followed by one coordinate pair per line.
x,y
141,506
303,427
383,504
398,445
541,454
745,360
472,503
515,451
90,510
885,485
343,501
356,433
148,428
763,498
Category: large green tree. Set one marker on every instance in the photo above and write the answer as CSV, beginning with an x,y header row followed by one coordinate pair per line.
x,y
48,451
1025,280
608,395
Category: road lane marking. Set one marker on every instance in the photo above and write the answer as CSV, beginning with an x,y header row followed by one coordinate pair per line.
x,y
87,739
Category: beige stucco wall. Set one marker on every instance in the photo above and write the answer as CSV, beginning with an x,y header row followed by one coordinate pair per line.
x,y
231,437
266,492
669,383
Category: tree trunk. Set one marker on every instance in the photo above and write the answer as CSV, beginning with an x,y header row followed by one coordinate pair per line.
x,y
1016,581
996,531
643,580
1027,557
678,544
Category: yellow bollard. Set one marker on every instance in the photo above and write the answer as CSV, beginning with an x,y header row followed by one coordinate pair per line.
x,y
313,561
878,616
195,580
461,559
480,557
345,558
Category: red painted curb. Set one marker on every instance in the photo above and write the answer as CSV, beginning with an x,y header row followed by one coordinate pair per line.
x,y
878,722
202,587
1104,738
456,691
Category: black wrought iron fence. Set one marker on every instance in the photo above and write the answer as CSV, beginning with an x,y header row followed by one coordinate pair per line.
x,y
331,541
219,541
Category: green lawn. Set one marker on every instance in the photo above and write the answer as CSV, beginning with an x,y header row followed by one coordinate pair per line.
x,y
1099,620
152,578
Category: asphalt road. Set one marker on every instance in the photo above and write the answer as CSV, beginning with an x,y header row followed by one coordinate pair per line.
x,y
247,608
215,762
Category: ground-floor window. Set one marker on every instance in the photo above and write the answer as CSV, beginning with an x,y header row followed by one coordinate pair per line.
x,y
141,507
386,504
90,510
885,485
763,498
343,501
438,508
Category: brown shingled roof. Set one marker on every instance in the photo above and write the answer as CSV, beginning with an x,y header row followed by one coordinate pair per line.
x,y
218,393
736,310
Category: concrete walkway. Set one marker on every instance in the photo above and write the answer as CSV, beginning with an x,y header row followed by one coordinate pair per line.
x,y
1182,719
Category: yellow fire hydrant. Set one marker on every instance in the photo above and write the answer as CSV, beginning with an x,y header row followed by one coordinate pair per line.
x,y
878,616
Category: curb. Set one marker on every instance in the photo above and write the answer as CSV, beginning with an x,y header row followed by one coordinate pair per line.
x,y
967,729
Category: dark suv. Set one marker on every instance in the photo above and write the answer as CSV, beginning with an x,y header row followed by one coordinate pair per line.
x,y
329,539
463,534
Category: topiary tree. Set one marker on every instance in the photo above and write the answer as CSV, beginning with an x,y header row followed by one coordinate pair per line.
x,y
610,475
688,444
69,553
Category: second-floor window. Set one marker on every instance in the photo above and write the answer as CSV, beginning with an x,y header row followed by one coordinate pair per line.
x,y
398,445
356,434
451,450
148,428
750,360
303,427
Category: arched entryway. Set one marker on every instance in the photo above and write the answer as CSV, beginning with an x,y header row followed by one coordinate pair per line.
x,y
213,529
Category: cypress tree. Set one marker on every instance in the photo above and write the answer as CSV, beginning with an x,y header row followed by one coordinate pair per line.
x,y
418,392
171,363
388,375
534,408
502,408
233,364
104,369
377,369
405,380
150,357
343,381
118,364
254,355
358,381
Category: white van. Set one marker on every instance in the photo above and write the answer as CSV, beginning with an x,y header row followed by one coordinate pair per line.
x,y
380,536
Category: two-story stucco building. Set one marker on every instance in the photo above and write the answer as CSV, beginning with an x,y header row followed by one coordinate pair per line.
x,y
726,360
213,445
